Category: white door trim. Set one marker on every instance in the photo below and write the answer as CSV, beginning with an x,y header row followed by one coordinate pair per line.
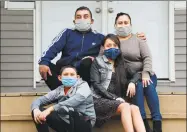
x,y
38,46
171,42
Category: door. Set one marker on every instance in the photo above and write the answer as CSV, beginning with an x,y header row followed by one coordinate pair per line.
x,y
58,15
152,18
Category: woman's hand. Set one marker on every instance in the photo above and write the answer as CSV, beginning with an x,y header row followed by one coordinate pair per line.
x,y
141,36
146,82
131,90
120,99
37,113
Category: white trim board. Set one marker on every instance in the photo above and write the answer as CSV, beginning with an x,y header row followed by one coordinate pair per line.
x,y
171,42
19,5
180,5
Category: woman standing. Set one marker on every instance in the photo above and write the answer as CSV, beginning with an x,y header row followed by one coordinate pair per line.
x,y
106,73
136,54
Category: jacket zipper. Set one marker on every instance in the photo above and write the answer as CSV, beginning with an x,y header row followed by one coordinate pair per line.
x,y
81,50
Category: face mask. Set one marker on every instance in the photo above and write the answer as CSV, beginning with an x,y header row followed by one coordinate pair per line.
x,y
69,81
112,53
124,31
82,25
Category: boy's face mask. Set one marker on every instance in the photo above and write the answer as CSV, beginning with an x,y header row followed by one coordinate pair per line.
x,y
82,24
69,81
112,53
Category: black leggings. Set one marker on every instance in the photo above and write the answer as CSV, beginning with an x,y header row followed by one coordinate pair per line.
x,y
84,71
77,123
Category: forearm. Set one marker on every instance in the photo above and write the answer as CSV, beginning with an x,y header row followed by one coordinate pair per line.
x,y
37,103
135,78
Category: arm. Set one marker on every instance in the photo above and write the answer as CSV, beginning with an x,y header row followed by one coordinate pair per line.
x,y
45,100
95,80
80,96
135,78
57,45
147,59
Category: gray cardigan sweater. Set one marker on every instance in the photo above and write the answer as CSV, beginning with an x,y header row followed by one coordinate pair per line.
x,y
78,98
137,55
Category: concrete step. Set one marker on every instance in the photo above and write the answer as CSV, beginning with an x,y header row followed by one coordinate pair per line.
x,y
15,113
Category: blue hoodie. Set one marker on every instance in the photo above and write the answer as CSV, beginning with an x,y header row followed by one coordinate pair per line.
x,y
74,45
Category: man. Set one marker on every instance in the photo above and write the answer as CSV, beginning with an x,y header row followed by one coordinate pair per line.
x,y
79,46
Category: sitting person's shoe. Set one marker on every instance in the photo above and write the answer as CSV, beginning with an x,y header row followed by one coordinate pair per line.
x,y
147,127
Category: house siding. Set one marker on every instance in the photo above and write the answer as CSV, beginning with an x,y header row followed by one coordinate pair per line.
x,y
180,50
16,48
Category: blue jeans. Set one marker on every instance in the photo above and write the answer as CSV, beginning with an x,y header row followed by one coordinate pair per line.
x,y
151,97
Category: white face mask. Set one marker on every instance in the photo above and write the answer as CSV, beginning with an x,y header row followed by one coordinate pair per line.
x,y
82,25
123,31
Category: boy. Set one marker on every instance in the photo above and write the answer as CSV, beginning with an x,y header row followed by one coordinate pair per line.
x,y
73,110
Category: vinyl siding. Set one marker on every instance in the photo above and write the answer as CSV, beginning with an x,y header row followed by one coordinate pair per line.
x,y
16,48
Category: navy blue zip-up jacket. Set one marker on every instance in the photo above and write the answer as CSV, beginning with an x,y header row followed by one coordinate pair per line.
x,y
74,45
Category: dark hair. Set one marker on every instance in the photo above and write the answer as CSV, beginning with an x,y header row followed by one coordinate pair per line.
x,y
83,8
68,66
121,14
113,37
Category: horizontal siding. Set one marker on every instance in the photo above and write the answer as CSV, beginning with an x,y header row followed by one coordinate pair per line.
x,y
17,35
180,42
180,58
180,74
16,74
17,42
16,66
17,27
16,58
17,19
16,48
16,82
180,26
181,66
180,50
6,12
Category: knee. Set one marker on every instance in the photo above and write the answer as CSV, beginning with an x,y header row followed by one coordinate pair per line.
x,y
124,106
134,108
86,63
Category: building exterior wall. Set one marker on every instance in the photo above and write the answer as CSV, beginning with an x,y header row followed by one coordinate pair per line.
x,y
16,48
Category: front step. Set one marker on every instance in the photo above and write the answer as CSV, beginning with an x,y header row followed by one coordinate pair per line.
x,y
15,113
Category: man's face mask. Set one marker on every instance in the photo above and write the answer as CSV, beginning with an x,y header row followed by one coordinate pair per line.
x,y
82,24
112,53
68,81
123,31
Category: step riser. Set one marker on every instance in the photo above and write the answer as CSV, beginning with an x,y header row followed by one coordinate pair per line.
x,y
28,126
169,104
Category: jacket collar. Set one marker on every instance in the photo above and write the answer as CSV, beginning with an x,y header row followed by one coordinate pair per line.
x,y
83,32
105,58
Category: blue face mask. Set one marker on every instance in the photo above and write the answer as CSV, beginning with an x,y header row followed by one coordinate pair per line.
x,y
69,81
112,53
